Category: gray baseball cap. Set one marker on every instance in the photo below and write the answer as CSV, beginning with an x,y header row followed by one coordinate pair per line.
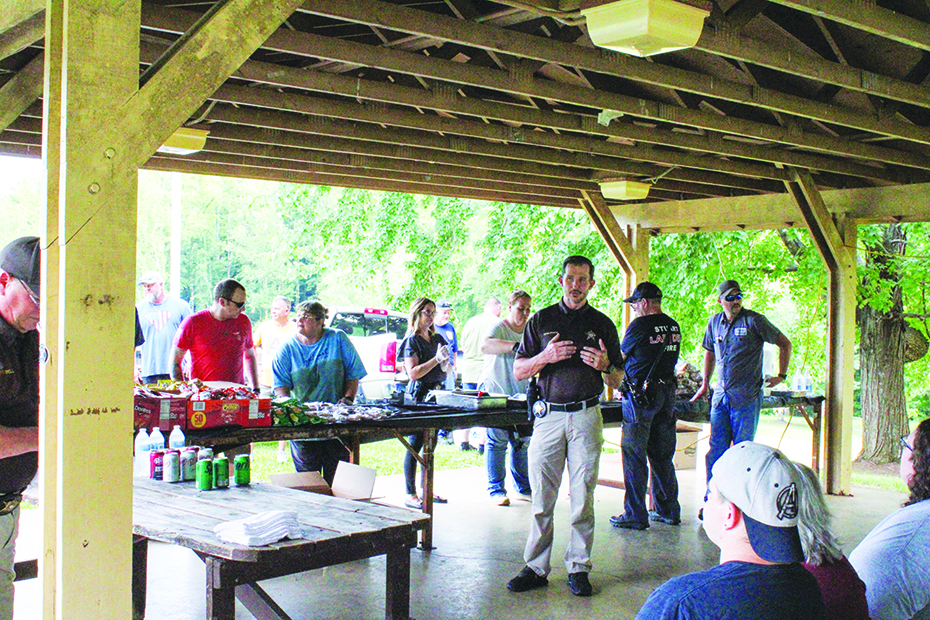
x,y
21,258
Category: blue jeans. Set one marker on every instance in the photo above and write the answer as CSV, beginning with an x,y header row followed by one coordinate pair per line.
x,y
648,445
496,453
730,426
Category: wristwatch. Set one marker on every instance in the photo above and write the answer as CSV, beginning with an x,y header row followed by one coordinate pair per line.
x,y
608,370
516,346
783,375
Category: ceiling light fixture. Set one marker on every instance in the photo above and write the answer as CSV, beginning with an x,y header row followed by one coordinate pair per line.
x,y
643,27
185,141
624,189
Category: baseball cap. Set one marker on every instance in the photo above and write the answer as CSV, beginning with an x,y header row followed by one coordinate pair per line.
x,y
761,481
443,303
21,259
726,287
644,290
150,277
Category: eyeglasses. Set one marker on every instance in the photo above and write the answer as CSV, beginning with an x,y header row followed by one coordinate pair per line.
x,y
428,312
34,299
237,304
904,444
734,297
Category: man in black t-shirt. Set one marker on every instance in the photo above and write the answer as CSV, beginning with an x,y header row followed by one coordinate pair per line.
x,y
576,350
19,394
650,352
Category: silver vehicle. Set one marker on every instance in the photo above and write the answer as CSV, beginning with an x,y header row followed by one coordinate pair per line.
x,y
376,334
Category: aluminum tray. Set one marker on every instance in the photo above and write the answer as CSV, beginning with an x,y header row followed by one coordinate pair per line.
x,y
470,399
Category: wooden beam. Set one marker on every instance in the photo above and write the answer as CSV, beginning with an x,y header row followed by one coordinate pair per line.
x,y
197,67
837,246
866,205
415,139
619,245
738,47
867,16
22,35
286,176
514,135
482,36
316,46
16,12
21,91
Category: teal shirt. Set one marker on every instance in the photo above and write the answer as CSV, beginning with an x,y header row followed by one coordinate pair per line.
x,y
318,372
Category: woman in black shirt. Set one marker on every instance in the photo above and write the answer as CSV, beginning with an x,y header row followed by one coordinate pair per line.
x,y
426,357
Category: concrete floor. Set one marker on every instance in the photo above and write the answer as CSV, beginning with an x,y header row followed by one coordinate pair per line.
x,y
479,548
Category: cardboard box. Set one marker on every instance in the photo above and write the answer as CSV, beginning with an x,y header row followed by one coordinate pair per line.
x,y
350,482
217,413
165,412
686,438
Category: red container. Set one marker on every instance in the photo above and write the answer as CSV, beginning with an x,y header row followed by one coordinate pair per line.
x,y
165,412
217,413
157,464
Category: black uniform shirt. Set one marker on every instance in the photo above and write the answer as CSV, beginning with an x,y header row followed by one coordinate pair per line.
x,y
570,380
642,341
19,400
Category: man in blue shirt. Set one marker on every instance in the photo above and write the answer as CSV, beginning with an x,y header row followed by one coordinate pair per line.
x,y
319,364
733,341
160,315
751,513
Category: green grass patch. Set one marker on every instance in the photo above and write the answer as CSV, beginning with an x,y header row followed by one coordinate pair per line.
x,y
886,482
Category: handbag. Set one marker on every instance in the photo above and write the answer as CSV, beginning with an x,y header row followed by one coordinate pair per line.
x,y
644,395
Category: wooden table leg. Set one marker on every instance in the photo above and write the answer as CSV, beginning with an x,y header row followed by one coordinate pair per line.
x,y
221,590
354,444
426,471
140,562
397,584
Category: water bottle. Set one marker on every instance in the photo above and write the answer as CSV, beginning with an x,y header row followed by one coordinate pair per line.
x,y
143,446
156,439
808,384
176,438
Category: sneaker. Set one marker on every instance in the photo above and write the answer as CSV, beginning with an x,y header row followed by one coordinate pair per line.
x,y
412,501
655,516
500,499
526,579
526,497
623,522
579,585
465,447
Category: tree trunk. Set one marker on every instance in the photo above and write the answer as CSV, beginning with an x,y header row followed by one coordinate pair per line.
x,y
881,360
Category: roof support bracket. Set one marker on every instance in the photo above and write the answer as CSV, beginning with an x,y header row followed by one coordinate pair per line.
x,y
835,239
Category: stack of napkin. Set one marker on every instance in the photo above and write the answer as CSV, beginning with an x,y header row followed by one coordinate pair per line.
x,y
261,529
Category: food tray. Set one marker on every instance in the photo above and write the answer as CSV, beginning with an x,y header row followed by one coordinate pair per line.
x,y
470,399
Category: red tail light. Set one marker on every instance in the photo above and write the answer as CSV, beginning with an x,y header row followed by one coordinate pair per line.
x,y
388,361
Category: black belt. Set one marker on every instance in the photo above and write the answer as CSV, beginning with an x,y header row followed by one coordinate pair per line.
x,y
9,502
576,406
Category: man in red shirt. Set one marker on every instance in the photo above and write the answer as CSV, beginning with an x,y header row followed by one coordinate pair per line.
x,y
219,339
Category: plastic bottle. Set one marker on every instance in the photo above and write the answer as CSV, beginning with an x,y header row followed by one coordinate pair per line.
x,y
157,440
176,438
143,445
808,384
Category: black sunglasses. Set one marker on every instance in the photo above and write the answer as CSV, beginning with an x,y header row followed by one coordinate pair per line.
x,y
237,304
734,297
904,443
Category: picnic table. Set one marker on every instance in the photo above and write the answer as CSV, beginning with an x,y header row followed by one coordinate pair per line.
x,y
335,531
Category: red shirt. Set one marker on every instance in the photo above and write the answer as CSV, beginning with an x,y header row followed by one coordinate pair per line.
x,y
217,347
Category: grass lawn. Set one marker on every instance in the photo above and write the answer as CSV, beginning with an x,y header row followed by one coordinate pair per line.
x,y
387,456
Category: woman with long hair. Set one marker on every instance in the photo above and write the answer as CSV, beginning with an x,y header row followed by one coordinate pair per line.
x,y
426,356
843,591
892,559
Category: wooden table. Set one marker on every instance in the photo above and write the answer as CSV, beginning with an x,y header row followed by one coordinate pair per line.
x,y
335,531
427,421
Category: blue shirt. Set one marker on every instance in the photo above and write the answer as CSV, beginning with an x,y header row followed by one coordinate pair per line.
x,y
738,591
737,347
159,323
448,333
318,372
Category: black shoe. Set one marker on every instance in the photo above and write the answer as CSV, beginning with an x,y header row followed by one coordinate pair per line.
x,y
465,447
579,585
528,579
655,516
701,514
628,524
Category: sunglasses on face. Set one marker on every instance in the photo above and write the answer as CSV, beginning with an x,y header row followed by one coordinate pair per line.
x,y
734,297
237,304
904,444
34,299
